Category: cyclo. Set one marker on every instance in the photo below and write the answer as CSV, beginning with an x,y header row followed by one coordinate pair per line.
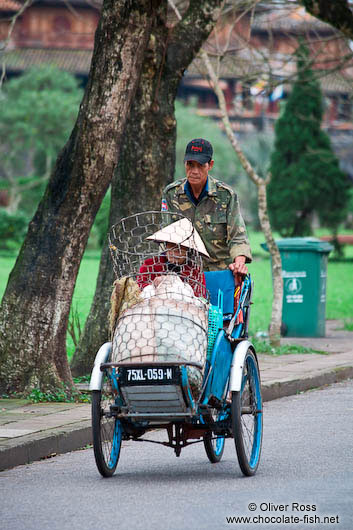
x,y
176,362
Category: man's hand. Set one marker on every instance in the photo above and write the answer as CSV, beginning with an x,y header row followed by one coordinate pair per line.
x,y
239,267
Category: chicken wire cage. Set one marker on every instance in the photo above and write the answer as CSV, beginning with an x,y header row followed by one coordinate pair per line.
x,y
159,302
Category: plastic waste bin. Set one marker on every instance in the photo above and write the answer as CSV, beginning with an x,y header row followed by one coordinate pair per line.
x,y
304,271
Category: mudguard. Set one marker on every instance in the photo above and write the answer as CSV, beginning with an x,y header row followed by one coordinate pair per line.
x,y
236,368
101,357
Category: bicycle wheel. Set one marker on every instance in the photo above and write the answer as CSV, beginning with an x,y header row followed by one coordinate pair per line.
x,y
106,430
214,445
247,417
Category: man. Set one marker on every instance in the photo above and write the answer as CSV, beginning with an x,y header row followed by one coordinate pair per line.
x,y
213,208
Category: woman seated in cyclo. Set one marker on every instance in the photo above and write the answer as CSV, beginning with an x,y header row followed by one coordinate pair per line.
x,y
183,246
171,304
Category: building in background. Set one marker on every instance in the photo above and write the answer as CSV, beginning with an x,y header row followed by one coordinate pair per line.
x,y
57,32
253,52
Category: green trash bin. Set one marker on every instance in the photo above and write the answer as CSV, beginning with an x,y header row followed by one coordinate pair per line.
x,y
304,271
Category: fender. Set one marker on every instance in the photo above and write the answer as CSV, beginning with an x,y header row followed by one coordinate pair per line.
x,y
101,357
236,368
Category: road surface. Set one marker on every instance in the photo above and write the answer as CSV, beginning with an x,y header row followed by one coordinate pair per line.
x,y
305,474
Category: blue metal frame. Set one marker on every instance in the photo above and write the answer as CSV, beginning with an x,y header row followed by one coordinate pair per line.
x,y
217,374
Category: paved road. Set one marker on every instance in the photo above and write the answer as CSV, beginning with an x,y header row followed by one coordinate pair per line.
x,y
307,460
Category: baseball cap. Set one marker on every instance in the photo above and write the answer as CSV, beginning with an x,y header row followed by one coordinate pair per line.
x,y
199,150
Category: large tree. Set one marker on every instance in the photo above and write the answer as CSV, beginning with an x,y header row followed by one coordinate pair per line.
x,y
338,14
306,177
148,153
35,307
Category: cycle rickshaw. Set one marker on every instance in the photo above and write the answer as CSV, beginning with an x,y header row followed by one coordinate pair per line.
x,y
167,367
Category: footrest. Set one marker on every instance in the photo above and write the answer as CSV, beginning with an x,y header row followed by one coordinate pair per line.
x,y
154,399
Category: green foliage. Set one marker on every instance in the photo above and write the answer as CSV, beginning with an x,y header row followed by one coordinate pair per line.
x,y
37,113
63,394
12,229
82,379
306,177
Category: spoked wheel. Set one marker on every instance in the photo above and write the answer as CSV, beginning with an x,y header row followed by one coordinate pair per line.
x,y
247,417
106,430
214,445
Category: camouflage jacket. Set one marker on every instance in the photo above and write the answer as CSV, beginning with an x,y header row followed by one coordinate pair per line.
x,y
217,219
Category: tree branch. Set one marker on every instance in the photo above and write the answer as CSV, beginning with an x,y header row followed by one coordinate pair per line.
x,y
191,31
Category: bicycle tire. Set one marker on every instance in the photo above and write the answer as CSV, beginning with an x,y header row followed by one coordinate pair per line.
x,y
106,431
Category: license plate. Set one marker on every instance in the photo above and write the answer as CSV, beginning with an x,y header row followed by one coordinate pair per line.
x,y
149,375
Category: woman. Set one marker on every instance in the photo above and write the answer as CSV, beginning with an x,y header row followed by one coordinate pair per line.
x,y
182,246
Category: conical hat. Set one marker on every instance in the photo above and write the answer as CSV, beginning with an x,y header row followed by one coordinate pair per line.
x,y
181,233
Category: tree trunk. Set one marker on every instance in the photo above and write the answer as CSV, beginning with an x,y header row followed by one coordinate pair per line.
x,y
276,264
35,307
147,158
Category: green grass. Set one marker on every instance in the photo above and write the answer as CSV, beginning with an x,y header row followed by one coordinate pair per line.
x,y
339,287
348,325
84,289
263,346
84,292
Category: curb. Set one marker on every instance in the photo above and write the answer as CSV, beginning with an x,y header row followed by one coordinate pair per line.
x,y
278,390
43,445
63,440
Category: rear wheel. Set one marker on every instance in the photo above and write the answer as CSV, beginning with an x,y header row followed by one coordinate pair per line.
x,y
106,429
247,417
214,445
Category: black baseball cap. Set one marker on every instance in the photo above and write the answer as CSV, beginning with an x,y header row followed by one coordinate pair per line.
x,y
199,150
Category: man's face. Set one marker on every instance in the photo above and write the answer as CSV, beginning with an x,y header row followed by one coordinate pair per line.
x,y
197,173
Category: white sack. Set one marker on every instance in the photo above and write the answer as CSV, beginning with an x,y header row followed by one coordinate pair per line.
x,y
170,324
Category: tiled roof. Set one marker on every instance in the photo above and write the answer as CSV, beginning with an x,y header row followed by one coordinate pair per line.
x,y
291,19
9,5
74,61
336,83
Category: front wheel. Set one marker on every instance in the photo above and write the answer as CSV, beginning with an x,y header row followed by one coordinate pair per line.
x,y
106,430
247,417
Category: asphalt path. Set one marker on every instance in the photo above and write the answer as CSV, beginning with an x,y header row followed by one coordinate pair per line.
x,y
305,474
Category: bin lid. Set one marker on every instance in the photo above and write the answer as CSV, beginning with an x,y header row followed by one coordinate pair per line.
x,y
302,243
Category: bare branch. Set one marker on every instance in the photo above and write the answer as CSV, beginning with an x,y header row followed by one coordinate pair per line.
x,y
5,43
276,264
214,81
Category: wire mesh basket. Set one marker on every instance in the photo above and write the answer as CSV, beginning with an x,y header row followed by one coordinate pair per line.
x,y
159,302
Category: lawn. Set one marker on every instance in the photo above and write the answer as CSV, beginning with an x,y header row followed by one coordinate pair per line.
x,y
339,286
